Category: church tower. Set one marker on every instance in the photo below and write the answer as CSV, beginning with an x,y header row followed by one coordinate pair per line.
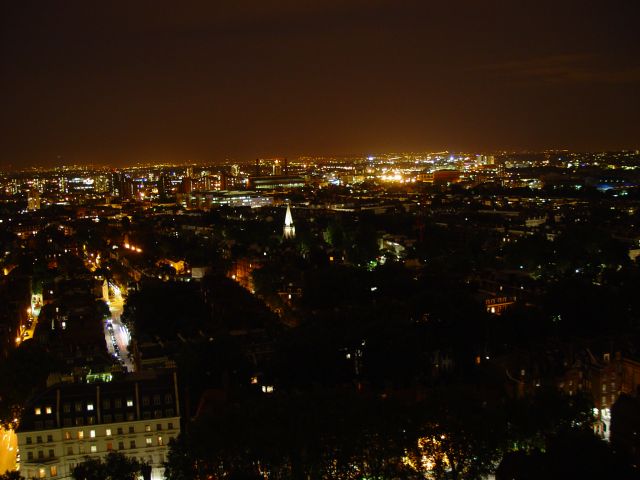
x,y
289,228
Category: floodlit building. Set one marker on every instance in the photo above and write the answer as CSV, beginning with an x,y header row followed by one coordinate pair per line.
x,y
33,200
68,422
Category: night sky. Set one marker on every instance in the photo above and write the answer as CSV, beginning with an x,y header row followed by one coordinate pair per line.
x,y
119,82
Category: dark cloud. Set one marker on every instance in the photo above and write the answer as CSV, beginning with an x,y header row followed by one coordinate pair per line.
x,y
569,68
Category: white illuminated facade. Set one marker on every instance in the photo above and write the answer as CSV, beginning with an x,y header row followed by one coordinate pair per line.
x,y
69,423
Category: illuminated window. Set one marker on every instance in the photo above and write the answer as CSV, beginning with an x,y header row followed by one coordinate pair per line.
x,y
108,432
160,442
42,473
67,435
80,434
109,446
38,411
48,410
94,448
90,407
129,403
147,428
92,433
54,471
148,441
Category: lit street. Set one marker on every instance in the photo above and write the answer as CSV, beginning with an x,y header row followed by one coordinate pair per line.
x,y
116,334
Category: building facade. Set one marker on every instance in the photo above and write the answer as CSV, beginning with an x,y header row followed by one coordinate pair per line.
x,y
68,423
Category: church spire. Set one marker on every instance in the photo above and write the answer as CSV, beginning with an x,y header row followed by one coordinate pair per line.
x,y
289,228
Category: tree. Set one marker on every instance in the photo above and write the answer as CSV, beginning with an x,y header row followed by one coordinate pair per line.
x,y
11,476
115,466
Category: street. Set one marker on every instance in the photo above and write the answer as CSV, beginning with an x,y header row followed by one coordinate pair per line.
x,y
116,334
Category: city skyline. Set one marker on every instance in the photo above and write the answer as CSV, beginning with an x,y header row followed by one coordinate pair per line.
x,y
121,84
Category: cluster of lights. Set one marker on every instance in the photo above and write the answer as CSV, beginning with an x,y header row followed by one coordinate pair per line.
x,y
132,248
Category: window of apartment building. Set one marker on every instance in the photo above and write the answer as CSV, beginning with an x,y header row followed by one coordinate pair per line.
x,y
147,428
90,407
160,441
67,435
107,418
94,448
53,470
131,416
129,402
148,441
109,446
42,473
51,453
132,444
107,432
81,450
168,398
38,411
158,426
119,430
48,410
156,400
49,438
119,417
78,406
38,439
66,408
79,421
170,426
106,404
91,420
69,450
80,434
145,401
120,445
29,455
131,429
92,433
40,453
117,403
28,440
